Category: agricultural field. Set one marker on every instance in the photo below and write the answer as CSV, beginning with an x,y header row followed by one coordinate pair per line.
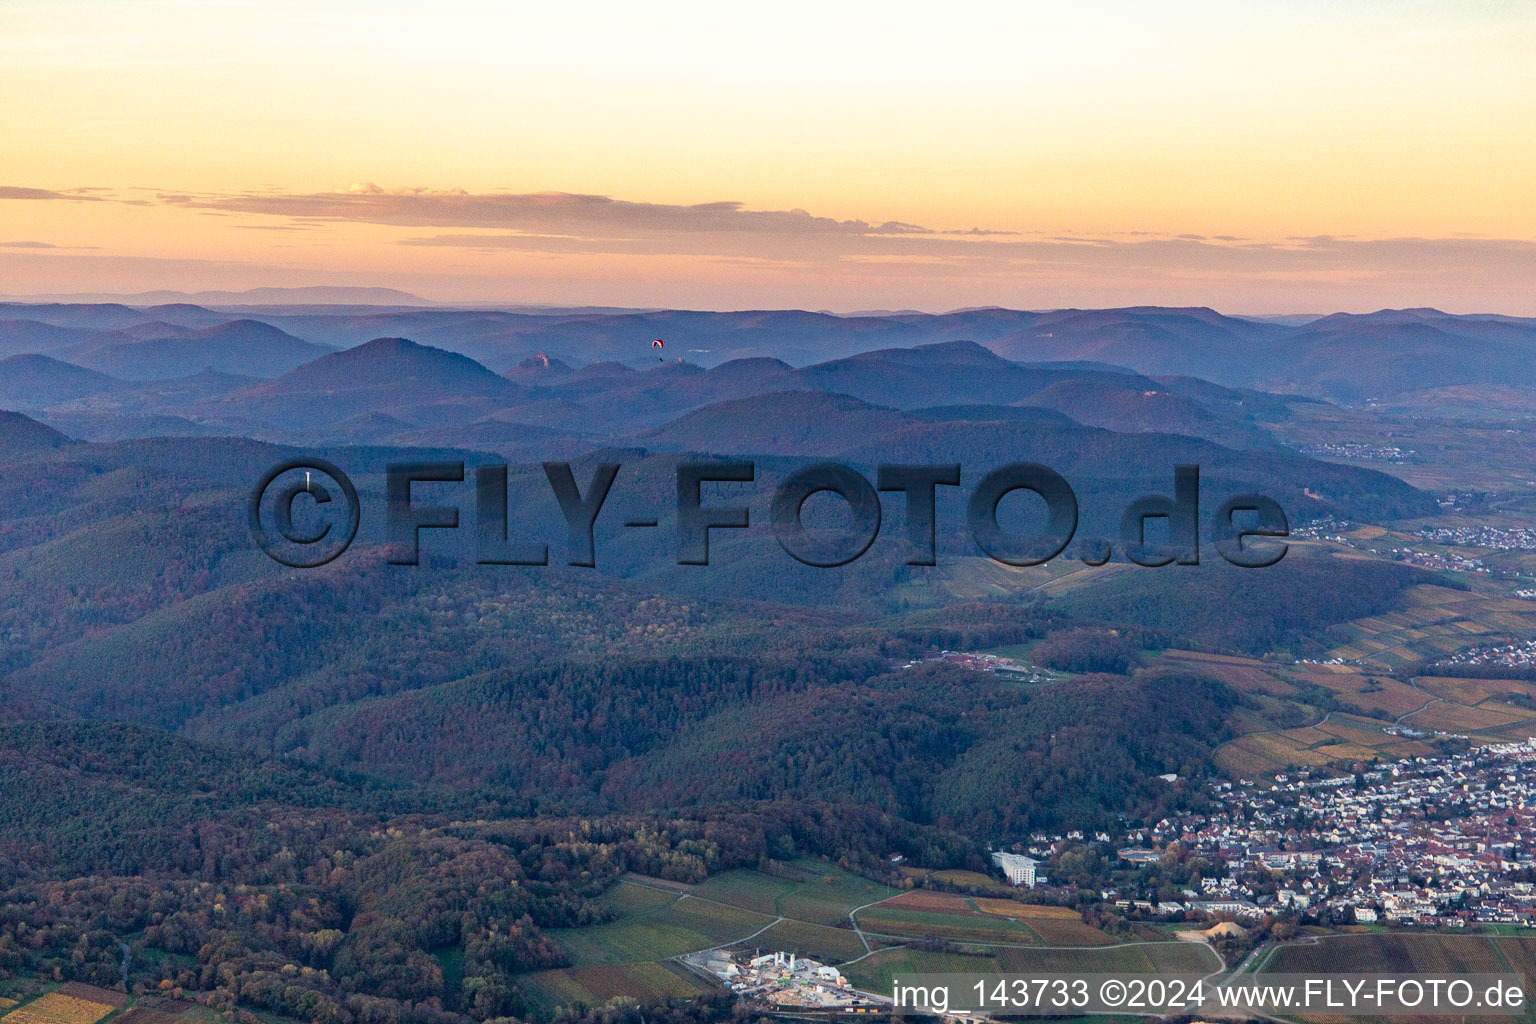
x,y
876,973
965,918
1472,692
817,941
971,926
1434,622
804,890
976,579
1374,693
6,1004
1139,958
1067,932
1013,908
1518,952
1370,692
144,1015
58,1008
1395,953
1485,710
972,879
972,579
653,929
637,897
931,902
747,890
956,876
93,994
1056,926
1341,739
1490,717
595,986
1388,952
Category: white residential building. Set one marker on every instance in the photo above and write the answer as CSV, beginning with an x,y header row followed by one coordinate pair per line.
x,y
1017,869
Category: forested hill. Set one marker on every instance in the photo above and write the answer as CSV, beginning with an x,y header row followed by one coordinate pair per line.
x,y
329,900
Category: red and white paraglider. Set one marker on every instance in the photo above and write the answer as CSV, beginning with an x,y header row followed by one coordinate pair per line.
x,y
658,345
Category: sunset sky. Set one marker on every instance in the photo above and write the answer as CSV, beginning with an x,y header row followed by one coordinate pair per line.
x,y
1257,157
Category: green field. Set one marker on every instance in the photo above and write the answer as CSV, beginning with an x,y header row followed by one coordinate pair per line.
x,y
594,986
749,890
636,898
1409,953
891,920
819,942
1398,953
804,890
1509,929
1141,958
974,879
876,973
654,929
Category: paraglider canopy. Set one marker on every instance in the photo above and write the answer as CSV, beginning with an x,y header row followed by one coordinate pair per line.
x,y
659,344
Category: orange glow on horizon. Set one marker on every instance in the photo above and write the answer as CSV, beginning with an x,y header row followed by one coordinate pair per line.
x,y
1113,124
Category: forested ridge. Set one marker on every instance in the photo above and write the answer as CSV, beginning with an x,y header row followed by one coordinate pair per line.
x,y
328,898
370,793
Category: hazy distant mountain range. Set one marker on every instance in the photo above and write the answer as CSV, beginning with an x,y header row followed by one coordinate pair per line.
x,y
1389,355
539,384
980,386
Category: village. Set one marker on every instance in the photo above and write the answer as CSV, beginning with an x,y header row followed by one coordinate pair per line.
x,y
1512,655
1360,450
1423,842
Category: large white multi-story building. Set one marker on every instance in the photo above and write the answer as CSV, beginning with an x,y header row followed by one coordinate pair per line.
x,y
1019,870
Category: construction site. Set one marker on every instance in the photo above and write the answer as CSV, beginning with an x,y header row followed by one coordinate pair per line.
x,y
780,979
